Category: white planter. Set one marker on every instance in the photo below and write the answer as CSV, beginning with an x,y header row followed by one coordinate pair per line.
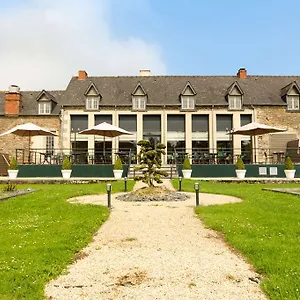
x,y
240,174
187,173
12,174
118,173
66,174
290,174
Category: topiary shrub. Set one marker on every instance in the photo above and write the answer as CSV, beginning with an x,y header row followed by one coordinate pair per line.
x,y
13,164
66,165
118,164
240,164
186,164
289,164
150,163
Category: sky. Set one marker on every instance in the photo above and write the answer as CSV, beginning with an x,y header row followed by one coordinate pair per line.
x,y
45,42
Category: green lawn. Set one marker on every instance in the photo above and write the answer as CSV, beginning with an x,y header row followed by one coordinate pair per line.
x,y
41,234
265,227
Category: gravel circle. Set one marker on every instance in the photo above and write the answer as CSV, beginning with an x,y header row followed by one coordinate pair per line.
x,y
156,250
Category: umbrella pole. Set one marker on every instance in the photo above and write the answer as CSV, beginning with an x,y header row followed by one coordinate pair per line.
x,y
104,148
29,140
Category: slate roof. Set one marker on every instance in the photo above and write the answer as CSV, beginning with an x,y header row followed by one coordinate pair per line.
x,y
166,90
163,90
30,103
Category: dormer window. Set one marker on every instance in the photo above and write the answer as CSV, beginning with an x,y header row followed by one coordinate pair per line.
x,y
45,108
139,102
187,102
293,102
93,97
46,102
235,102
139,98
234,97
291,94
188,97
92,103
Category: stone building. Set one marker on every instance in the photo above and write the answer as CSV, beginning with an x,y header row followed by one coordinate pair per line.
x,y
186,113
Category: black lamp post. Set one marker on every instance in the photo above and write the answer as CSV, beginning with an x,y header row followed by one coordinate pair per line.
x,y
108,189
196,186
180,182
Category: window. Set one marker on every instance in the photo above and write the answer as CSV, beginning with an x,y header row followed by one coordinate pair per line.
x,y
92,103
45,108
293,103
139,102
187,102
79,122
49,145
103,118
235,102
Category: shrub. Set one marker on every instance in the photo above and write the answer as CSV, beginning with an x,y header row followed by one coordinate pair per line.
x,y
10,187
289,164
13,164
240,164
66,165
186,164
118,164
150,163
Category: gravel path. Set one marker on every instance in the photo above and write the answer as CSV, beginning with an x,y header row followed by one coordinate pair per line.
x,y
156,250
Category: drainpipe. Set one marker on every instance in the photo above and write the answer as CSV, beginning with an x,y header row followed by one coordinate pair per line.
x,y
212,126
61,117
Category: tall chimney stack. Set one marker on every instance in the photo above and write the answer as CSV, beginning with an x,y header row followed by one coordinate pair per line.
x,y
82,75
242,73
13,101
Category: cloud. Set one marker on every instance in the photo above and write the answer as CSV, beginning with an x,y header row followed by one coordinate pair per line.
x,y
44,43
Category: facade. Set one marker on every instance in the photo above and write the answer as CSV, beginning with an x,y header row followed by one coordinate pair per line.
x,y
189,114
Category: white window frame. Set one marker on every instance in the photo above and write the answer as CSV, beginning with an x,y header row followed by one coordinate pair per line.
x,y
187,102
92,103
139,102
293,103
235,102
45,108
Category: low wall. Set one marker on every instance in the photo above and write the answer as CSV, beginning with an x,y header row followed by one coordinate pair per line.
x,y
203,171
77,171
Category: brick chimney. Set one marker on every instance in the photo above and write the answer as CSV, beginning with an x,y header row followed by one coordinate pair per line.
x,y
145,72
13,101
242,73
82,75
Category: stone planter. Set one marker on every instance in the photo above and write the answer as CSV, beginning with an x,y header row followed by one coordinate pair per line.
x,y
240,174
12,174
187,173
290,174
66,174
118,173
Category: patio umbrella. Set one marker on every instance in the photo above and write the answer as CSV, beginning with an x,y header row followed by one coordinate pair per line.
x,y
253,129
29,129
105,129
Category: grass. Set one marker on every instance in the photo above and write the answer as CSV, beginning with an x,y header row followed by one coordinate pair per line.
x,y
41,233
265,227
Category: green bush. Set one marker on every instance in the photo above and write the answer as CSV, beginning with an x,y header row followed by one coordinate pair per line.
x,y
186,164
66,165
240,164
118,164
289,164
13,164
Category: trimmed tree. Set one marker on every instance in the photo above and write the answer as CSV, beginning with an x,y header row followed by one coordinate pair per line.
x,y
240,164
150,163
289,164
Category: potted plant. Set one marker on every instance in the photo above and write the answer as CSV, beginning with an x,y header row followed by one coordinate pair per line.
x,y
13,169
289,168
186,168
66,168
240,168
118,168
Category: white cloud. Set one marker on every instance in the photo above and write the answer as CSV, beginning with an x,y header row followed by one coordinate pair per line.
x,y
44,43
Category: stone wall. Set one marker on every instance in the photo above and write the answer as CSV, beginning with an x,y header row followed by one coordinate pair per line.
x,y
278,117
11,142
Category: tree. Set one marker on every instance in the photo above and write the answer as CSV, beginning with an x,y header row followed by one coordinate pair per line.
x,y
150,163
